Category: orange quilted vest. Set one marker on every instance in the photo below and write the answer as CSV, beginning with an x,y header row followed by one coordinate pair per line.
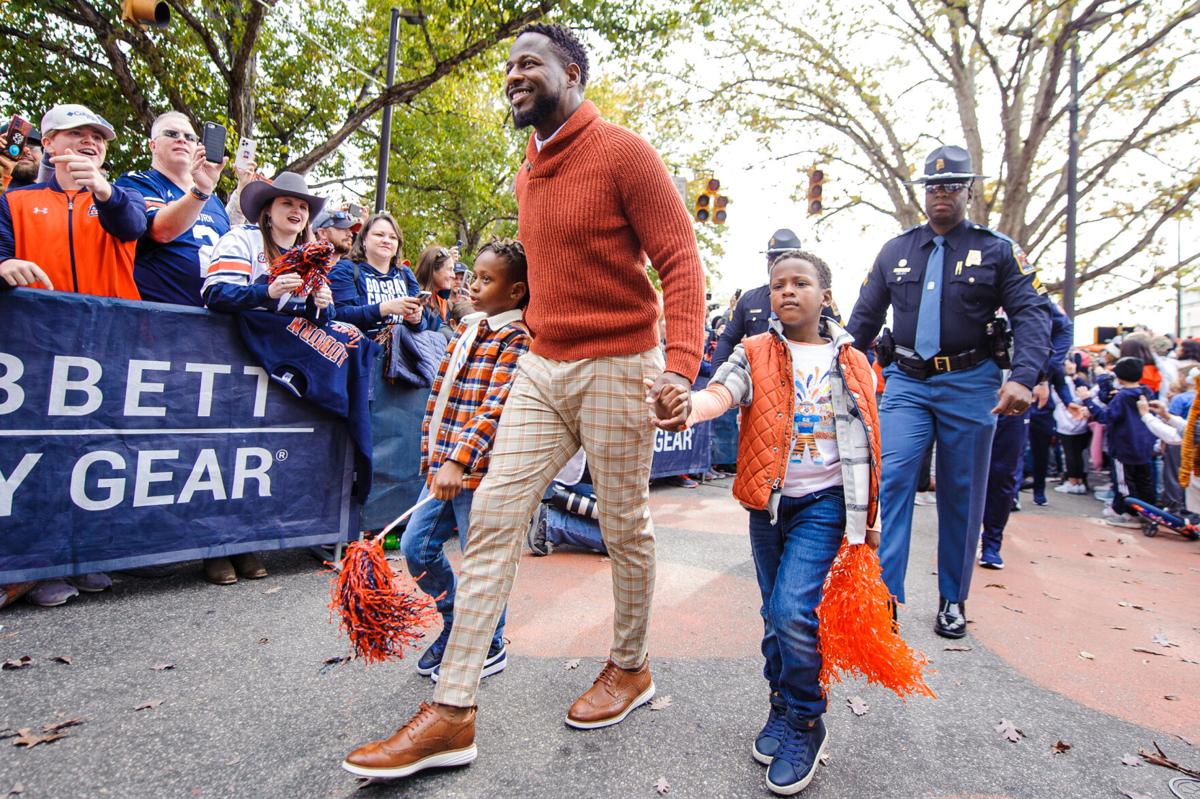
x,y
765,436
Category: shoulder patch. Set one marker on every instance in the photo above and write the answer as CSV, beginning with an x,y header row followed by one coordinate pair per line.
x,y
1023,262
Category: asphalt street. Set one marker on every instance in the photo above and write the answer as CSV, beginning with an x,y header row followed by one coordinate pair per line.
x,y
249,707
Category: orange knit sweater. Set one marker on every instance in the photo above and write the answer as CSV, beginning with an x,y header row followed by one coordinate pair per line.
x,y
594,205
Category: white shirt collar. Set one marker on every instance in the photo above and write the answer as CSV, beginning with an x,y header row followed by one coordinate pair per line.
x,y
495,322
539,142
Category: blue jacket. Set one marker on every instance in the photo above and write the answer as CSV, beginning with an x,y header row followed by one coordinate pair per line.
x,y
1129,440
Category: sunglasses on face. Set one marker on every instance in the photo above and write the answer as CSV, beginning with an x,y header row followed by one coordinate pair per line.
x,y
945,188
175,134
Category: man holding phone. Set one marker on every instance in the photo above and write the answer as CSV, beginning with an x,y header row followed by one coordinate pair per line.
x,y
186,219
22,170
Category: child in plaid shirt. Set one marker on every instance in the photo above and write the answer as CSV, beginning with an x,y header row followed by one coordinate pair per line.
x,y
459,428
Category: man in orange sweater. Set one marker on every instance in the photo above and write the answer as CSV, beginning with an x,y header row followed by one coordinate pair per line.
x,y
595,204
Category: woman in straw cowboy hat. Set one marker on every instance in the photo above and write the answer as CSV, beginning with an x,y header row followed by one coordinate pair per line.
x,y
236,280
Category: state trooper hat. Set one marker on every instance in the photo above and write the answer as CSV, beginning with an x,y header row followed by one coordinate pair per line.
x,y
948,164
782,240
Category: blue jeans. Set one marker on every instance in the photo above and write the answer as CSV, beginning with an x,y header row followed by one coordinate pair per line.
x,y
955,409
423,545
569,529
792,558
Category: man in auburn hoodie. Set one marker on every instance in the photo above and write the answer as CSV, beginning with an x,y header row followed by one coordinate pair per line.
x,y
595,204
1130,442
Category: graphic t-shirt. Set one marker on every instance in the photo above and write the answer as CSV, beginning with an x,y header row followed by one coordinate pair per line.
x,y
814,462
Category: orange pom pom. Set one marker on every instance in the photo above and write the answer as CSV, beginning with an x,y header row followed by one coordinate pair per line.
x,y
857,633
379,613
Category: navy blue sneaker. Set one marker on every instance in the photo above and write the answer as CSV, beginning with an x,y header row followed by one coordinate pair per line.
x,y
432,656
796,761
767,742
990,558
1039,498
497,661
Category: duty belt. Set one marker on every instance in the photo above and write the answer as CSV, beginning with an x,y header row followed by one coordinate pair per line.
x,y
920,368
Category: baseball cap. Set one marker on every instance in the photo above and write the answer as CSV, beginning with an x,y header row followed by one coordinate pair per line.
x,y
69,115
460,268
338,219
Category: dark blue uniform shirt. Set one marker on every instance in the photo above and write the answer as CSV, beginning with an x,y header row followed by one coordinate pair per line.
x,y
983,270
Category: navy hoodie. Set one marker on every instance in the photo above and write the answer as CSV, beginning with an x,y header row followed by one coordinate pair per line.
x,y
1129,440
358,292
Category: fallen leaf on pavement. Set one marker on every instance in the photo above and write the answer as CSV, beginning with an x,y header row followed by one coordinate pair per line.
x,y
22,662
571,664
27,739
1189,660
1008,731
956,648
1159,758
1118,628
264,640
150,705
1050,596
14,791
162,667
8,733
1086,655
823,760
1162,640
995,585
63,659
62,725
1145,651
274,590
1130,760
857,706
1059,747
1171,698
660,702
662,786
1014,610
1088,555
333,663
1123,604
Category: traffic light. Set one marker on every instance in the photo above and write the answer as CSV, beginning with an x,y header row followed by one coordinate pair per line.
x,y
711,206
719,212
146,13
816,179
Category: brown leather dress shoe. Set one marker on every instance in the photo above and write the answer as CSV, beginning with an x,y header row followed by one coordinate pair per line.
x,y
249,566
612,696
437,737
219,571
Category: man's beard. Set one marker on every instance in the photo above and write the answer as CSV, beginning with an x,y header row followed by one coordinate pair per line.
x,y
342,251
543,107
25,171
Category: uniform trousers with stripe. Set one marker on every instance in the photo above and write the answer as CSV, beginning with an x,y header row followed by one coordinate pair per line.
x,y
553,409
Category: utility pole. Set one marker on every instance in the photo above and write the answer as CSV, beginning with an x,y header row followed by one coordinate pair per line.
x,y
1072,177
385,137
1179,278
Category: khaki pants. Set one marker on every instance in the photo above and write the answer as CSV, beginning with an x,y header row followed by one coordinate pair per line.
x,y
553,408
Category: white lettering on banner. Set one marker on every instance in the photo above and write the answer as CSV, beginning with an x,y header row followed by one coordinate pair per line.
x,y
260,390
135,387
14,395
114,485
146,476
672,442
250,464
74,388
207,371
61,384
205,476
10,484
242,471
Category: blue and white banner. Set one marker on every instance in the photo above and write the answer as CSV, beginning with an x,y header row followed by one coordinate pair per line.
x,y
138,433
685,452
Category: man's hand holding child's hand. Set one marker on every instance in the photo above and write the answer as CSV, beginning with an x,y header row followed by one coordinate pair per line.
x,y
669,403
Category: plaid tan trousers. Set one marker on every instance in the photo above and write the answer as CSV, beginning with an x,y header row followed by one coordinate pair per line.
x,y
553,408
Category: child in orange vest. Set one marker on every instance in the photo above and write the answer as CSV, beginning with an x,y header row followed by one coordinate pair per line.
x,y
808,472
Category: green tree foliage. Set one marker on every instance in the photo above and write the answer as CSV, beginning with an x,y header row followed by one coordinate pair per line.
x,y
868,88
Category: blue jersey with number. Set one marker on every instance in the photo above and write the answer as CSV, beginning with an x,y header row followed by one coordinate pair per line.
x,y
173,271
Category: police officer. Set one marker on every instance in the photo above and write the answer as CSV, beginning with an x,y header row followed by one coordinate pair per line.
x,y
944,281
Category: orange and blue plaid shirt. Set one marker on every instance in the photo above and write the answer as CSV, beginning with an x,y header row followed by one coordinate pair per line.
x,y
476,397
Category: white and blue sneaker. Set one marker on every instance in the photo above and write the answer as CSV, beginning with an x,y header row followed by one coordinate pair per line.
x,y
768,740
432,656
797,759
497,661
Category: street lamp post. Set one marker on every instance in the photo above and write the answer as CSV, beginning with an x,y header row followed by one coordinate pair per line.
x,y
1072,176
385,137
